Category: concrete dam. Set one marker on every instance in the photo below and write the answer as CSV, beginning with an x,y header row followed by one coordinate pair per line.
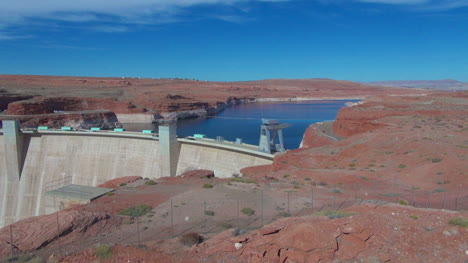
x,y
31,160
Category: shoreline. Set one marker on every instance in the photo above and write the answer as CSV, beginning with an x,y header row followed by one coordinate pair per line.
x,y
144,118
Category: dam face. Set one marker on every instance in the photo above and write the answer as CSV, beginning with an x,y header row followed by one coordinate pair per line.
x,y
92,158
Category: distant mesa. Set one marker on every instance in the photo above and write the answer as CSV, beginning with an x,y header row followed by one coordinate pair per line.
x,y
444,84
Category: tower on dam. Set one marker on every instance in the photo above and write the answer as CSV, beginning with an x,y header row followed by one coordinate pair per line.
x,y
168,148
269,130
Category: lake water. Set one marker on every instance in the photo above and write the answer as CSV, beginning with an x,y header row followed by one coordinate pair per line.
x,y
243,121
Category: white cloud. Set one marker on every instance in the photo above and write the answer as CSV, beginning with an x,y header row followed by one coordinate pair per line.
x,y
396,2
119,13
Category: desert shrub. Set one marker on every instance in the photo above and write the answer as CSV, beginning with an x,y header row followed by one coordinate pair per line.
x,y
226,226
439,190
191,239
352,165
364,178
401,166
297,187
322,183
459,221
436,160
286,175
284,214
284,162
150,182
136,211
122,184
243,180
333,214
414,217
336,191
207,186
307,179
403,202
209,213
248,211
110,194
104,252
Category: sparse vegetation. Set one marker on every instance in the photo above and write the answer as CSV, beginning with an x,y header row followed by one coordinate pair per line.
x,y
284,214
243,180
333,214
150,182
209,213
415,217
284,162
191,239
436,160
336,191
286,175
403,202
226,226
122,184
322,183
307,179
439,190
364,178
104,252
207,186
136,211
401,166
110,194
248,211
459,221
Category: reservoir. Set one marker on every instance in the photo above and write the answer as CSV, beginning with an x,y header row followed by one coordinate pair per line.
x,y
243,121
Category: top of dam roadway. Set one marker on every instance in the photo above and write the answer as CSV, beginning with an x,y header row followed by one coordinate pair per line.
x,y
208,142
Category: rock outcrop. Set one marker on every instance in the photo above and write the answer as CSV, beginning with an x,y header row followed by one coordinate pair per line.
x,y
36,232
367,233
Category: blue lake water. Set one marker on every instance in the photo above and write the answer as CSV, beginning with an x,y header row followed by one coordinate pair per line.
x,y
243,121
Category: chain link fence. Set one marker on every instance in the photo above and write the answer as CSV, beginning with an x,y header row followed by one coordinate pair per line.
x,y
175,218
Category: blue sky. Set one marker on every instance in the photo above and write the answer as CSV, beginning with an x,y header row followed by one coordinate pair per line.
x,y
359,40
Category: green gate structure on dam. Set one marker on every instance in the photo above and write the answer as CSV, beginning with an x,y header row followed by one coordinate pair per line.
x,y
31,158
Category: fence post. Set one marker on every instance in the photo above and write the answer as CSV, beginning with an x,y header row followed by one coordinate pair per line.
x,y
11,240
172,219
413,193
443,202
58,234
334,200
430,199
262,208
204,212
312,197
100,229
138,230
238,219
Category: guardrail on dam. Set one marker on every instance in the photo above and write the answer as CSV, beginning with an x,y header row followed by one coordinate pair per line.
x,y
31,159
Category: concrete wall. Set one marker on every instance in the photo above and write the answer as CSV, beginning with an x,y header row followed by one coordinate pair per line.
x,y
92,159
